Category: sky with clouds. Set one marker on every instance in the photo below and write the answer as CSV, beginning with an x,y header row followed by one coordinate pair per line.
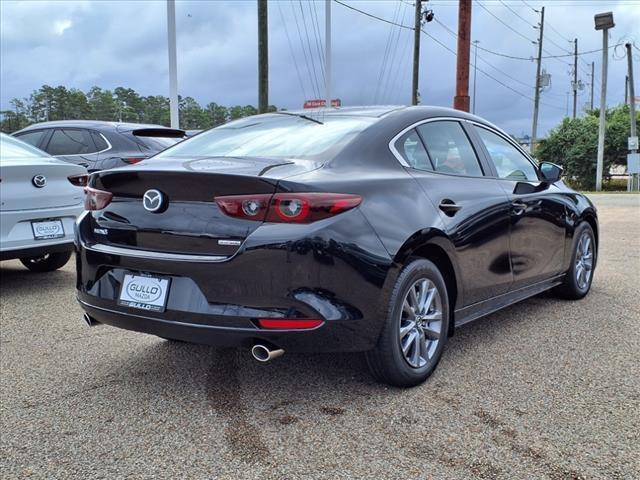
x,y
123,43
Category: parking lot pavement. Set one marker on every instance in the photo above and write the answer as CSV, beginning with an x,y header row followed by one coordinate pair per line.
x,y
543,389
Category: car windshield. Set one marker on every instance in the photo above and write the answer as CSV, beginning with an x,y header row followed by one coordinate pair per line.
x,y
13,148
284,135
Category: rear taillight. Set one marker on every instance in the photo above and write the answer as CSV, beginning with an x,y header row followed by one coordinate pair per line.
x,y
288,207
79,180
132,160
289,323
96,199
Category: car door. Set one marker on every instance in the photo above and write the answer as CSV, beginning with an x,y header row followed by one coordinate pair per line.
x,y
538,211
73,145
473,208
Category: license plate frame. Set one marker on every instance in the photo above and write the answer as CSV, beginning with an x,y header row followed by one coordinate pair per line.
x,y
47,229
144,292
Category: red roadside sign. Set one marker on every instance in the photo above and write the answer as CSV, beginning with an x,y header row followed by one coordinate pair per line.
x,y
318,103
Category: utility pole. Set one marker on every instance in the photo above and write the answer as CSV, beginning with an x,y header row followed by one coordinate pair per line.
x,y
416,52
592,69
603,21
327,47
536,100
632,114
475,71
626,89
263,57
575,76
461,100
173,64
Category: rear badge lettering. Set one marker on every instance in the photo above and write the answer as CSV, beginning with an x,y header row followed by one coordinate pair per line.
x,y
229,243
100,231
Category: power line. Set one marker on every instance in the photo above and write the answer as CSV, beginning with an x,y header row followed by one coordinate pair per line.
x,y
295,62
385,56
372,16
314,86
394,56
313,63
504,23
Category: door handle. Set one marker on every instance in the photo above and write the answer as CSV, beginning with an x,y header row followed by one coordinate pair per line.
x,y
518,207
449,207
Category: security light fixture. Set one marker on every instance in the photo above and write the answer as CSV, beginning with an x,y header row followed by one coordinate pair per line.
x,y
604,21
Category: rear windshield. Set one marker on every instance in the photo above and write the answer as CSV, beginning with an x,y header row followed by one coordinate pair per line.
x,y
13,148
156,144
276,135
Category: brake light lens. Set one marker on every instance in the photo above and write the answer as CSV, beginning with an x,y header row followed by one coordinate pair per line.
x,y
133,160
289,323
79,180
96,199
288,207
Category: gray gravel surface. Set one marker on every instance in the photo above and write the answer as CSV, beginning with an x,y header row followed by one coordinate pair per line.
x,y
543,389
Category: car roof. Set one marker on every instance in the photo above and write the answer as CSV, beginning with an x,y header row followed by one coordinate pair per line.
x,y
96,124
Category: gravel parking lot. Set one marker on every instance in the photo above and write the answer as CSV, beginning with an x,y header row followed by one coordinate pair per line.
x,y
543,389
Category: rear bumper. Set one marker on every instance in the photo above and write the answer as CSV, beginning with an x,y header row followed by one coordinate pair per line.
x,y
16,235
319,274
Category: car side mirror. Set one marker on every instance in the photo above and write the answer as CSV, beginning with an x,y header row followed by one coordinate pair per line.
x,y
551,172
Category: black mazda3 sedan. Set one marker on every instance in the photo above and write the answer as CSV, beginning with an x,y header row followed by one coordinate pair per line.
x,y
377,230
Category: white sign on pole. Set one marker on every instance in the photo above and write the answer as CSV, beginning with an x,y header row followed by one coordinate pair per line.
x,y
633,143
633,163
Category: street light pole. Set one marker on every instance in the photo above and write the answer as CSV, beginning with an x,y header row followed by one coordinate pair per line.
x,y
603,21
475,71
327,46
173,64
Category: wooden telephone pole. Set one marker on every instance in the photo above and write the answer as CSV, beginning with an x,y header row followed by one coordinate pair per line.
x,y
263,57
536,100
416,53
461,100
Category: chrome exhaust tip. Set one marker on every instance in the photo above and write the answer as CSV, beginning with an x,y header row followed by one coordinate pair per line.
x,y
262,353
89,321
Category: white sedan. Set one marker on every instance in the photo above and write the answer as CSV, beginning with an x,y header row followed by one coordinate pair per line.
x,y
40,198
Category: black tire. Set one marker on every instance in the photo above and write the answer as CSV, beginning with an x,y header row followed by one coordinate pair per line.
x,y
387,361
571,288
47,262
172,340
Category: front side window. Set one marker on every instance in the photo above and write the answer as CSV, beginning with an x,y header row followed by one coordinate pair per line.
x,y
410,147
32,138
449,148
287,136
68,141
510,163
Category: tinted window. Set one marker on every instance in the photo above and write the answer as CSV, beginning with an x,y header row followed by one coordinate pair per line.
x,y
410,147
272,136
32,138
99,142
508,160
449,148
155,144
13,148
67,141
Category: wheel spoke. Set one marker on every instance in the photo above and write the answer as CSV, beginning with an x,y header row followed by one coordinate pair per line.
x,y
429,300
417,346
431,331
408,309
413,301
406,345
406,329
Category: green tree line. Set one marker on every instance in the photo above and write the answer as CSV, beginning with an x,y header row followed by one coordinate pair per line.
x,y
573,144
118,105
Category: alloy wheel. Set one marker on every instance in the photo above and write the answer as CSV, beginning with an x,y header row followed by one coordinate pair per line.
x,y
420,323
584,261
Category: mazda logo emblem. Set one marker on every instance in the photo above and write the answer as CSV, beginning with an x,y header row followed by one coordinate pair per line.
x,y
39,181
153,200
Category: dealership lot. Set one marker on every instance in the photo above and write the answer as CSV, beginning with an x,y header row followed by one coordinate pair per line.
x,y
543,389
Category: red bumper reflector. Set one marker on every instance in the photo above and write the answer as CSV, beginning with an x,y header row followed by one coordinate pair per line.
x,y
288,323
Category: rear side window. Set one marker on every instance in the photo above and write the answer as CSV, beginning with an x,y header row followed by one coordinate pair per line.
x,y
155,144
14,148
510,163
410,147
100,142
32,138
68,141
449,148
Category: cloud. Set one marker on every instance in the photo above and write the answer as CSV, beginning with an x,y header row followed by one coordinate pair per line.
x,y
110,44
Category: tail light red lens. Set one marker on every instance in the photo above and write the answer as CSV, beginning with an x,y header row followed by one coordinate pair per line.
x,y
79,180
288,207
132,160
96,199
289,323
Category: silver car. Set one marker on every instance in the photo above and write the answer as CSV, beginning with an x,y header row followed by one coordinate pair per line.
x,y
40,198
